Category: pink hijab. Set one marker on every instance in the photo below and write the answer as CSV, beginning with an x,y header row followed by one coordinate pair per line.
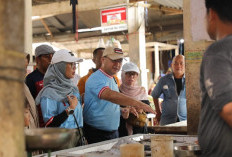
x,y
136,92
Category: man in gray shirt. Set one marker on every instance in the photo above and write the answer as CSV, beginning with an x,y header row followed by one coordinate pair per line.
x,y
172,86
215,128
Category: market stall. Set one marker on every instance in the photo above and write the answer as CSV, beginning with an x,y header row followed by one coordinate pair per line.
x,y
112,147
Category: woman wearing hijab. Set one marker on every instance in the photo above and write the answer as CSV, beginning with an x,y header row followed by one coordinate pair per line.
x,y
59,100
129,87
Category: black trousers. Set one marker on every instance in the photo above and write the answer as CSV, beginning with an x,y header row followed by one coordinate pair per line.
x,y
94,135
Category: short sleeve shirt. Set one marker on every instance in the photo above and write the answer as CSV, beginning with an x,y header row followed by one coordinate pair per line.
x,y
215,135
51,108
99,113
82,81
34,81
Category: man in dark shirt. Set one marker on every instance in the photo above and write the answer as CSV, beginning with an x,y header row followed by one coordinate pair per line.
x,y
43,56
215,128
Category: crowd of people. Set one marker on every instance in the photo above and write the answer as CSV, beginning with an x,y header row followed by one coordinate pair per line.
x,y
93,107
100,105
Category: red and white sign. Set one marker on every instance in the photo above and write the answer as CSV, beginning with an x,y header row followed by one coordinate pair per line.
x,y
114,19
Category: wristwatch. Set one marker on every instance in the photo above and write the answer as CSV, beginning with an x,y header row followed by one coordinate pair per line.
x,y
69,110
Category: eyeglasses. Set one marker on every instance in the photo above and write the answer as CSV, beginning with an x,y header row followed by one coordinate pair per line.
x,y
131,73
116,60
74,65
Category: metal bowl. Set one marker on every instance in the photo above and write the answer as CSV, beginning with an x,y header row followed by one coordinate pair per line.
x,y
47,138
187,150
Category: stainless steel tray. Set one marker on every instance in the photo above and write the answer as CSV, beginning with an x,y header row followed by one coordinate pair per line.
x,y
47,138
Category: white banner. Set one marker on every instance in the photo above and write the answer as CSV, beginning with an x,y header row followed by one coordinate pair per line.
x,y
114,28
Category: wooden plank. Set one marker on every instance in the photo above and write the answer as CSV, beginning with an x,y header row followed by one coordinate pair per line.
x,y
46,27
169,129
167,9
151,44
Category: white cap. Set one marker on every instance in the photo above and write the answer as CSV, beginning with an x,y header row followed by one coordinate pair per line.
x,y
64,55
101,44
130,67
114,50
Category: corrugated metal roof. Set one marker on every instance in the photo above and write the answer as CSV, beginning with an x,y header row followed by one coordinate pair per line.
x,y
171,3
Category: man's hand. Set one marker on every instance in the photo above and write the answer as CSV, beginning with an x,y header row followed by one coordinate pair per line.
x,y
134,112
157,109
157,116
72,101
145,107
226,113
121,99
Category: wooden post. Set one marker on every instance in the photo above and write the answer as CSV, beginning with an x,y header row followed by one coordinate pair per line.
x,y
195,45
157,62
137,43
28,28
11,78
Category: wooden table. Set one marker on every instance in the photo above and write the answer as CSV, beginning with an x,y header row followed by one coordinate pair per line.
x,y
175,128
169,129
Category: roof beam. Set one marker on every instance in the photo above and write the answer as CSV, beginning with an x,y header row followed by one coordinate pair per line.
x,y
46,27
152,44
63,7
62,37
167,10
166,28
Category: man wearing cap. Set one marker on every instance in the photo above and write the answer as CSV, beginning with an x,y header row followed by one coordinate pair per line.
x,y
97,54
173,87
102,98
43,56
